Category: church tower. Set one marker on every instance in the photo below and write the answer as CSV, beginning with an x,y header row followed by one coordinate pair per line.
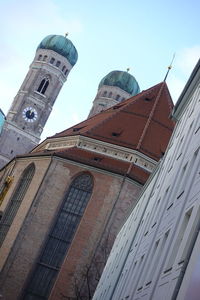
x,y
27,116
115,87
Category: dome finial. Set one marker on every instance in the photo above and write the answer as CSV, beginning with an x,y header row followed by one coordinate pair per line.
x,y
66,34
169,67
128,69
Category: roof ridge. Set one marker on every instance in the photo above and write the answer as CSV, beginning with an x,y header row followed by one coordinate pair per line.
x,y
150,115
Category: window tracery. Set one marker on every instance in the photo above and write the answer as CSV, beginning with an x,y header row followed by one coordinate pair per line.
x,y
60,237
16,201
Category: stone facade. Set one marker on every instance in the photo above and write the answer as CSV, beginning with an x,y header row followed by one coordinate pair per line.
x,y
20,133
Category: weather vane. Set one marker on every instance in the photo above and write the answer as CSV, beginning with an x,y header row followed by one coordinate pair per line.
x,y
169,67
128,69
66,34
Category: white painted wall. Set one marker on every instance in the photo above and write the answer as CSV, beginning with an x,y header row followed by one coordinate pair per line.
x,y
154,244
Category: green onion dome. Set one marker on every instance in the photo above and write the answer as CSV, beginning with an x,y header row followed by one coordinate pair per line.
x,y
61,45
123,80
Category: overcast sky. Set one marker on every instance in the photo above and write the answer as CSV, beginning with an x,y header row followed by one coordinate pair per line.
x,y
108,35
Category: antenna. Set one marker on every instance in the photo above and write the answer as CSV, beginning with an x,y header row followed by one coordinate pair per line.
x,y
128,69
169,67
66,34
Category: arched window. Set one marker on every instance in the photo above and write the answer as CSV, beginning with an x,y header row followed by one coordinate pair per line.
x,y
58,63
40,57
117,97
63,68
66,72
110,95
52,60
60,237
104,94
16,201
43,86
45,58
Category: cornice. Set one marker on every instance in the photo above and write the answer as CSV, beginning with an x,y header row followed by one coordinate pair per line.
x,y
96,146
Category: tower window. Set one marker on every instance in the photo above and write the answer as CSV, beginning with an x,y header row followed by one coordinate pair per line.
x,y
66,72
117,97
63,68
110,95
40,57
60,237
58,63
52,60
45,58
104,93
43,86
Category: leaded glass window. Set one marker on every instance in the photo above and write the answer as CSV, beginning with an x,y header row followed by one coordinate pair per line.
x,y
15,201
59,239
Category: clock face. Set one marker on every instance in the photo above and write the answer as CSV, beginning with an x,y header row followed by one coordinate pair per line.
x,y
29,114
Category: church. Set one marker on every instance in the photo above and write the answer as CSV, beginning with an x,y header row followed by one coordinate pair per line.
x,y
64,200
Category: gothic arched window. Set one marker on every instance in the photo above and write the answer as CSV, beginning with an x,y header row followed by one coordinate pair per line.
x,y
43,86
16,201
59,238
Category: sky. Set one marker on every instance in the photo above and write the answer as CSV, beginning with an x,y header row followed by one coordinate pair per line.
x,y
108,35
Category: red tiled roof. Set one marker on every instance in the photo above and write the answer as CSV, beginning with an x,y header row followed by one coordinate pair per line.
x,y
142,123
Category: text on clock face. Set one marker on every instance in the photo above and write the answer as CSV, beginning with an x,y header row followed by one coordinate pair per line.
x,y
29,114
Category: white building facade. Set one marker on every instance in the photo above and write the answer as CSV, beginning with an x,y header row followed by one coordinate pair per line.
x,y
156,255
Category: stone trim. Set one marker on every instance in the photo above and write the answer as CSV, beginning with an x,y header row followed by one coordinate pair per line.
x,y
110,150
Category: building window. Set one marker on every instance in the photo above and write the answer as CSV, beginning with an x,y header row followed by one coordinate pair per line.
x,y
40,57
110,95
66,72
45,58
178,241
60,237
63,69
52,60
43,86
58,63
16,201
117,97
104,93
